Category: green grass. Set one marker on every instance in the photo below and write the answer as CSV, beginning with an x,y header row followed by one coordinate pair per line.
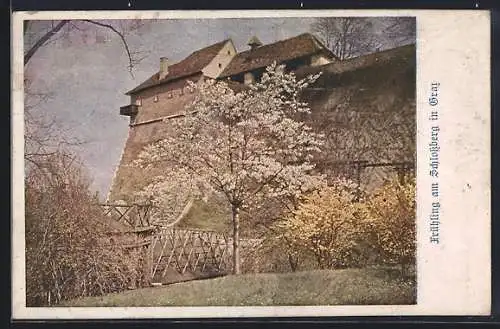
x,y
325,287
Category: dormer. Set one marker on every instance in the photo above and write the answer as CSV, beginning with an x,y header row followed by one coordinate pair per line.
x,y
254,43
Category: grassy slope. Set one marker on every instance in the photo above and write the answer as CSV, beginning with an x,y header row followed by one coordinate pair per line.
x,y
207,216
340,287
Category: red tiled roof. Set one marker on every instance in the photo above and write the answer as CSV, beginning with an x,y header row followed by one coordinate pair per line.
x,y
192,64
302,45
378,58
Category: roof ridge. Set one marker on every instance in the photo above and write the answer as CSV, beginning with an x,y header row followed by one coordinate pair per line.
x,y
204,48
277,42
359,62
380,52
199,51
193,63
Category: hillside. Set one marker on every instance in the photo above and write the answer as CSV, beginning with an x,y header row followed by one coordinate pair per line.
x,y
325,287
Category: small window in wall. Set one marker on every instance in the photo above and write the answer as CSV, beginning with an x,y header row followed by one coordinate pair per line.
x,y
155,99
220,65
229,52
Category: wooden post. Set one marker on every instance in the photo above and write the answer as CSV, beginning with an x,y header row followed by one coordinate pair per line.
x,y
401,171
358,180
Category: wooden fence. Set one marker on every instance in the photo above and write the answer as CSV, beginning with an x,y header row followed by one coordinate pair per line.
x,y
180,254
173,254
132,215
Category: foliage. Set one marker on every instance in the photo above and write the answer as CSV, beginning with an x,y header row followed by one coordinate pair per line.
x,y
361,124
329,225
275,254
69,243
391,211
247,146
343,231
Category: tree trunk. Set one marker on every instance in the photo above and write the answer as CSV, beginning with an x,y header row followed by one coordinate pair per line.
x,y
236,239
293,262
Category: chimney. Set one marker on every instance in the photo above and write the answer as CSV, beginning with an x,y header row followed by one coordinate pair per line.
x,y
163,68
254,42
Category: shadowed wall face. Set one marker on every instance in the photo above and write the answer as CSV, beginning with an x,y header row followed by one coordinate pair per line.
x,y
366,109
155,103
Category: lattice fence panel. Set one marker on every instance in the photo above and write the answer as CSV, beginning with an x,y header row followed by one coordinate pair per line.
x,y
133,215
199,253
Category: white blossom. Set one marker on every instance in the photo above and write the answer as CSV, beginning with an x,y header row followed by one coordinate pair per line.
x,y
248,146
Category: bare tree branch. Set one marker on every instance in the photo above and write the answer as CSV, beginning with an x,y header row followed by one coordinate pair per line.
x,y
133,57
349,37
401,29
43,135
346,36
46,37
122,37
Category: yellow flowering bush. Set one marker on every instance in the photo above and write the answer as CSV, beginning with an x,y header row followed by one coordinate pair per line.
x,y
329,225
391,214
340,231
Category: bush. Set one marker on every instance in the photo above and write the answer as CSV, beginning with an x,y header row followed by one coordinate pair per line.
x,y
72,249
275,255
329,225
391,213
340,230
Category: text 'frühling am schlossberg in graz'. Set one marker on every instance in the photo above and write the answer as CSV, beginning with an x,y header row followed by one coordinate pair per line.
x,y
434,149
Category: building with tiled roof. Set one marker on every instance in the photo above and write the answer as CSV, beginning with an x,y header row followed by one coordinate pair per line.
x,y
383,81
221,61
208,61
164,94
166,85
297,52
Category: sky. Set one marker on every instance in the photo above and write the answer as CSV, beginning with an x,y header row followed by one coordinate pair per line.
x,y
85,72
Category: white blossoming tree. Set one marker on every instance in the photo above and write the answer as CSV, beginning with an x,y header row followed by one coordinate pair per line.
x,y
248,146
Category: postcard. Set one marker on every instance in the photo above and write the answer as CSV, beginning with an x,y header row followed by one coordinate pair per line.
x,y
205,164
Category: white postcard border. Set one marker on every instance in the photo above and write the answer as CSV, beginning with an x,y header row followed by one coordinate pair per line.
x,y
453,49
